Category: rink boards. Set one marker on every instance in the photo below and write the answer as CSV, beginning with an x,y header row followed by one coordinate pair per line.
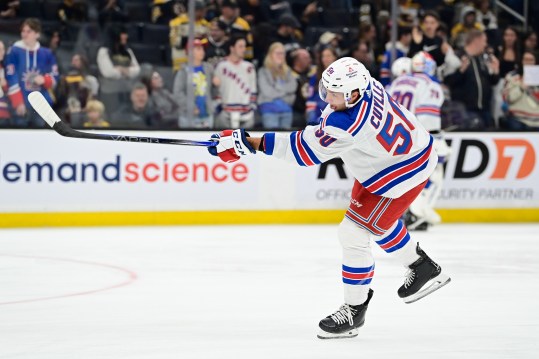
x,y
47,179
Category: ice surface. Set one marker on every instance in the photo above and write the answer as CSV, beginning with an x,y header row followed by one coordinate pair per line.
x,y
257,292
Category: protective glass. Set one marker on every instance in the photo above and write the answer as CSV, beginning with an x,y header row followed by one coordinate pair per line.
x,y
322,91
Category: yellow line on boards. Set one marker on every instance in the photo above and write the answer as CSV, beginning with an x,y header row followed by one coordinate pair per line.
x,y
68,219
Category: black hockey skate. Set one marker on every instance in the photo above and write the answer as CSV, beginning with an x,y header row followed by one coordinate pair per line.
x,y
345,321
423,277
413,223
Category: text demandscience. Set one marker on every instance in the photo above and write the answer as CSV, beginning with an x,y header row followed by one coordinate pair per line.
x,y
130,172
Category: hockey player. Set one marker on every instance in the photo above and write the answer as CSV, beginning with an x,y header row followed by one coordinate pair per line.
x,y
401,66
391,157
422,95
29,67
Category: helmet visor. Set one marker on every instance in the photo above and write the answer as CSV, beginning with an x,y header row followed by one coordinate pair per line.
x,y
322,91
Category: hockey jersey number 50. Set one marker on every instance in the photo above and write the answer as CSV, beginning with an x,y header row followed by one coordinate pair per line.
x,y
381,143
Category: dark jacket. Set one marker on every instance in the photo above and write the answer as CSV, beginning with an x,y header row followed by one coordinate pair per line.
x,y
473,87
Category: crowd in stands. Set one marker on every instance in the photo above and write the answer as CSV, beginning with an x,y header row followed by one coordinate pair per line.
x,y
255,63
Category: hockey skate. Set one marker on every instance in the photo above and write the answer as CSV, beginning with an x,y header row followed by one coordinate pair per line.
x,y
345,321
414,223
423,277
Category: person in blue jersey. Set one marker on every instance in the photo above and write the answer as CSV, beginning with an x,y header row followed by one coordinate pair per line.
x,y
401,50
29,67
391,157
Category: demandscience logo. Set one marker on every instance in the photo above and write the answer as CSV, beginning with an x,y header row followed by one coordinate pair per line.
x,y
117,171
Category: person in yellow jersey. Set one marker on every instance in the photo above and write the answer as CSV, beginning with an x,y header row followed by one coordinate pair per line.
x,y
179,32
236,25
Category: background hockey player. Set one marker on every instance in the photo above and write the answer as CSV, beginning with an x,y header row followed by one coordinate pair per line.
x,y
390,155
421,94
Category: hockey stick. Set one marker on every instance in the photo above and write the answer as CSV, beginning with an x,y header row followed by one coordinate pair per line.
x,y
42,107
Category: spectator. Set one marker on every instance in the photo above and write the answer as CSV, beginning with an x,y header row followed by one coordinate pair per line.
x,y
29,67
274,9
119,69
468,22
367,34
509,52
485,16
162,100
472,83
276,89
424,38
401,50
530,43
303,71
332,39
95,111
69,11
286,33
362,53
315,105
237,25
138,113
235,80
216,49
202,72
522,100
179,33
75,89
8,8
111,11
251,11
163,11
4,100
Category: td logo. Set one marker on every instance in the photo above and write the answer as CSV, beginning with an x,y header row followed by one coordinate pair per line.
x,y
508,152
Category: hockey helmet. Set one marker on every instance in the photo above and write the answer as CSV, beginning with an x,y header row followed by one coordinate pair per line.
x,y
344,75
401,66
423,62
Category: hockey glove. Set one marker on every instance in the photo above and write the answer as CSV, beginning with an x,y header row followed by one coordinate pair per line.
x,y
232,145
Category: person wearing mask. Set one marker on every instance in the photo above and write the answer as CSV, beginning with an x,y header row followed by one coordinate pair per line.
x,y
472,83
202,74
276,89
29,67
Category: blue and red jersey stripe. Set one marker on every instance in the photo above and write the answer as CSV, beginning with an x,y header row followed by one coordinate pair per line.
x,y
357,276
390,177
302,152
395,240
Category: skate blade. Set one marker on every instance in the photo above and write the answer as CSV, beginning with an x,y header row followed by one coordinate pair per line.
x,y
431,286
348,334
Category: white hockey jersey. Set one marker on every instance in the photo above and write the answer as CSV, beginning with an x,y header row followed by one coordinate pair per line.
x,y
237,90
422,96
380,142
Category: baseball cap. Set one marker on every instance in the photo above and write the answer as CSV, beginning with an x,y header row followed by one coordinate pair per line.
x,y
197,42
